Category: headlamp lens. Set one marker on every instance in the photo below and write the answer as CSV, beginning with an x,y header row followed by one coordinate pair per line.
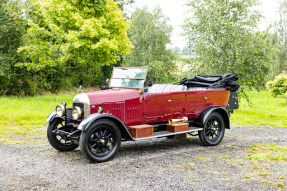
x,y
60,110
76,113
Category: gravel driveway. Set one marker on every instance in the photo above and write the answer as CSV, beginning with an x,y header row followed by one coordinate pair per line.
x,y
157,164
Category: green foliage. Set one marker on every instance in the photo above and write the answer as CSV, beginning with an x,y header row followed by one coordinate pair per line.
x,y
12,28
14,80
223,34
278,37
77,33
281,31
150,33
124,4
68,43
278,86
275,68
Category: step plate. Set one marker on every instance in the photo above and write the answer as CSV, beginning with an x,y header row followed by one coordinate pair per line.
x,y
167,133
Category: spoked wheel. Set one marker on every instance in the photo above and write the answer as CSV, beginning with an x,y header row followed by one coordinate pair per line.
x,y
101,141
59,142
213,130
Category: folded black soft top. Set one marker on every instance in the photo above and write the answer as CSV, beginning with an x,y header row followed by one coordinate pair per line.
x,y
227,81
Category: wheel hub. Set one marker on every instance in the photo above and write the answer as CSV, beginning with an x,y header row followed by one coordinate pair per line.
x,y
102,141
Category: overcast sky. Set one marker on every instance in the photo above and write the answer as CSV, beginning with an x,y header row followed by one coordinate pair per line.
x,y
175,11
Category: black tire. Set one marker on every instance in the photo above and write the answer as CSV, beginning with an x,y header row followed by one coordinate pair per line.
x,y
213,130
101,141
57,141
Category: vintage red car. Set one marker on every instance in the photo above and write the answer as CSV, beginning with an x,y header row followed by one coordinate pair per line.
x,y
126,111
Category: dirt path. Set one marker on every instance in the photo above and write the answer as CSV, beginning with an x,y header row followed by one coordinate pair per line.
x,y
158,164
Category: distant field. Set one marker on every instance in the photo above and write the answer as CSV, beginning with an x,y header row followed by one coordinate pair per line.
x,y
187,56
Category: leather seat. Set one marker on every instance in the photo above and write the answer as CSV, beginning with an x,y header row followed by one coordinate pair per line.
x,y
157,88
195,88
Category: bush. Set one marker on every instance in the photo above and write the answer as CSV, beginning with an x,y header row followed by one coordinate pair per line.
x,y
278,86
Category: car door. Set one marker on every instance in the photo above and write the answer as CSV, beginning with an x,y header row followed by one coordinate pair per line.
x,y
195,102
177,103
156,106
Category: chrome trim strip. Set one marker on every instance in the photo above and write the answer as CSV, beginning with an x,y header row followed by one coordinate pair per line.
x,y
84,99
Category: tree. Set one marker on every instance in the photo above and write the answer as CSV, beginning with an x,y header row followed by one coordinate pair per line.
x,y
225,38
177,50
12,27
84,33
108,69
280,27
124,4
150,33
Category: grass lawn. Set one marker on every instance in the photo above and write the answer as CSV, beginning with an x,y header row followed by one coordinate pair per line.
x,y
25,116
265,111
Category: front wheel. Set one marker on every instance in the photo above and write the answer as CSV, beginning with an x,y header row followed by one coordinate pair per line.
x,y
101,141
213,130
59,142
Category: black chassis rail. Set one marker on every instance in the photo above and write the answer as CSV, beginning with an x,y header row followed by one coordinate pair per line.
x,y
74,136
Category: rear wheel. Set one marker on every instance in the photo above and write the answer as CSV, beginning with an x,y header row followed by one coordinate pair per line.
x,y
101,141
213,130
59,142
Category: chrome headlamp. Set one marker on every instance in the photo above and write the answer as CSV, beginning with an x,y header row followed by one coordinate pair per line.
x,y
76,113
60,110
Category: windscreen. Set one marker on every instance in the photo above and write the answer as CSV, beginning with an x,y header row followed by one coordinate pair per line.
x,y
128,77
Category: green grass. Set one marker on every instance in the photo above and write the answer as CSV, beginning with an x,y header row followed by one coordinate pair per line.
x,y
265,110
30,110
271,152
25,116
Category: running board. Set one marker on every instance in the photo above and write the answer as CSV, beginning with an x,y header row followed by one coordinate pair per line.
x,y
167,133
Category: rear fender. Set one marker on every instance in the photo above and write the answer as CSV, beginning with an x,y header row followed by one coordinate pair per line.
x,y
200,120
87,123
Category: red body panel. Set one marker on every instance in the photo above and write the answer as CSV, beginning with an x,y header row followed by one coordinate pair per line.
x,y
177,104
156,106
132,109
217,97
195,102
111,100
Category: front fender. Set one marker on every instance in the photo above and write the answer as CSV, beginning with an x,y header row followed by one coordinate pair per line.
x,y
86,123
200,120
52,116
